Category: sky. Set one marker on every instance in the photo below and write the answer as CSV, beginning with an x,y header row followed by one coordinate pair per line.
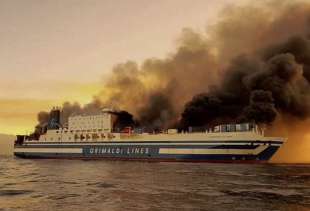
x,y
53,51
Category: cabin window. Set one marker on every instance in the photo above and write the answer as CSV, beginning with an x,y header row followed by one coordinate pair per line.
x,y
244,127
223,128
232,128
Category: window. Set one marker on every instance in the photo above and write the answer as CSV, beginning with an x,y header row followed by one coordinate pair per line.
x,y
232,128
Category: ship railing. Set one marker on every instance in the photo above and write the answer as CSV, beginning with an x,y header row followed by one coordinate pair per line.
x,y
245,127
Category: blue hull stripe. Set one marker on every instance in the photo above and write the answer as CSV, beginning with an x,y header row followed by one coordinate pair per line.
x,y
145,152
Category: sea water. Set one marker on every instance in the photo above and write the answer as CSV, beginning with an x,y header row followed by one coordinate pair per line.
x,y
123,185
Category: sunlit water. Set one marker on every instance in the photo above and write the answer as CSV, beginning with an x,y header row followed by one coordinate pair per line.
x,y
110,185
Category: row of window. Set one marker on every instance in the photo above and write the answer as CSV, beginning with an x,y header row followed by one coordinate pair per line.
x,y
232,128
73,131
86,137
88,117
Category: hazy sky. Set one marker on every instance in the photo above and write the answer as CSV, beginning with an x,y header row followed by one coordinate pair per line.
x,y
55,50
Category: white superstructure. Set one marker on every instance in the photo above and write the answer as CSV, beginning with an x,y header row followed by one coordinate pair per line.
x,y
102,122
98,128
83,128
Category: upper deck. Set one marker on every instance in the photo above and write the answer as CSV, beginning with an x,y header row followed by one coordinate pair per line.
x,y
230,132
100,128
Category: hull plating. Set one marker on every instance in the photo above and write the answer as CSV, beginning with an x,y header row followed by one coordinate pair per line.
x,y
236,151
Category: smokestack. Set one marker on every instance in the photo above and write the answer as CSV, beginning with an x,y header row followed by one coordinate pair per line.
x,y
54,119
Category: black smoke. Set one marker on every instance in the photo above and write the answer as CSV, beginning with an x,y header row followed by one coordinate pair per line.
x,y
251,65
123,120
254,89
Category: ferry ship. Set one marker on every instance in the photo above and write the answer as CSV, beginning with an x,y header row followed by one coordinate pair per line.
x,y
93,137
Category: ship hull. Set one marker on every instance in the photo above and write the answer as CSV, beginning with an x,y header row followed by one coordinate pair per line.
x,y
184,151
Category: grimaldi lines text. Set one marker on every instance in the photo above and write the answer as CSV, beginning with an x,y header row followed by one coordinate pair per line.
x,y
94,137
116,150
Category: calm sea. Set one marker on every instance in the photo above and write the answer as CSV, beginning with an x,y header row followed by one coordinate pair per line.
x,y
111,185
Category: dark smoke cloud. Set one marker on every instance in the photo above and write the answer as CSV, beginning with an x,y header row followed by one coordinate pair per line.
x,y
261,108
123,120
157,113
43,118
270,77
247,29
70,109
251,65
298,46
254,90
156,91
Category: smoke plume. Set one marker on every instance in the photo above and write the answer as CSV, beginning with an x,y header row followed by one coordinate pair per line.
x,y
252,65
270,79
243,69
156,91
